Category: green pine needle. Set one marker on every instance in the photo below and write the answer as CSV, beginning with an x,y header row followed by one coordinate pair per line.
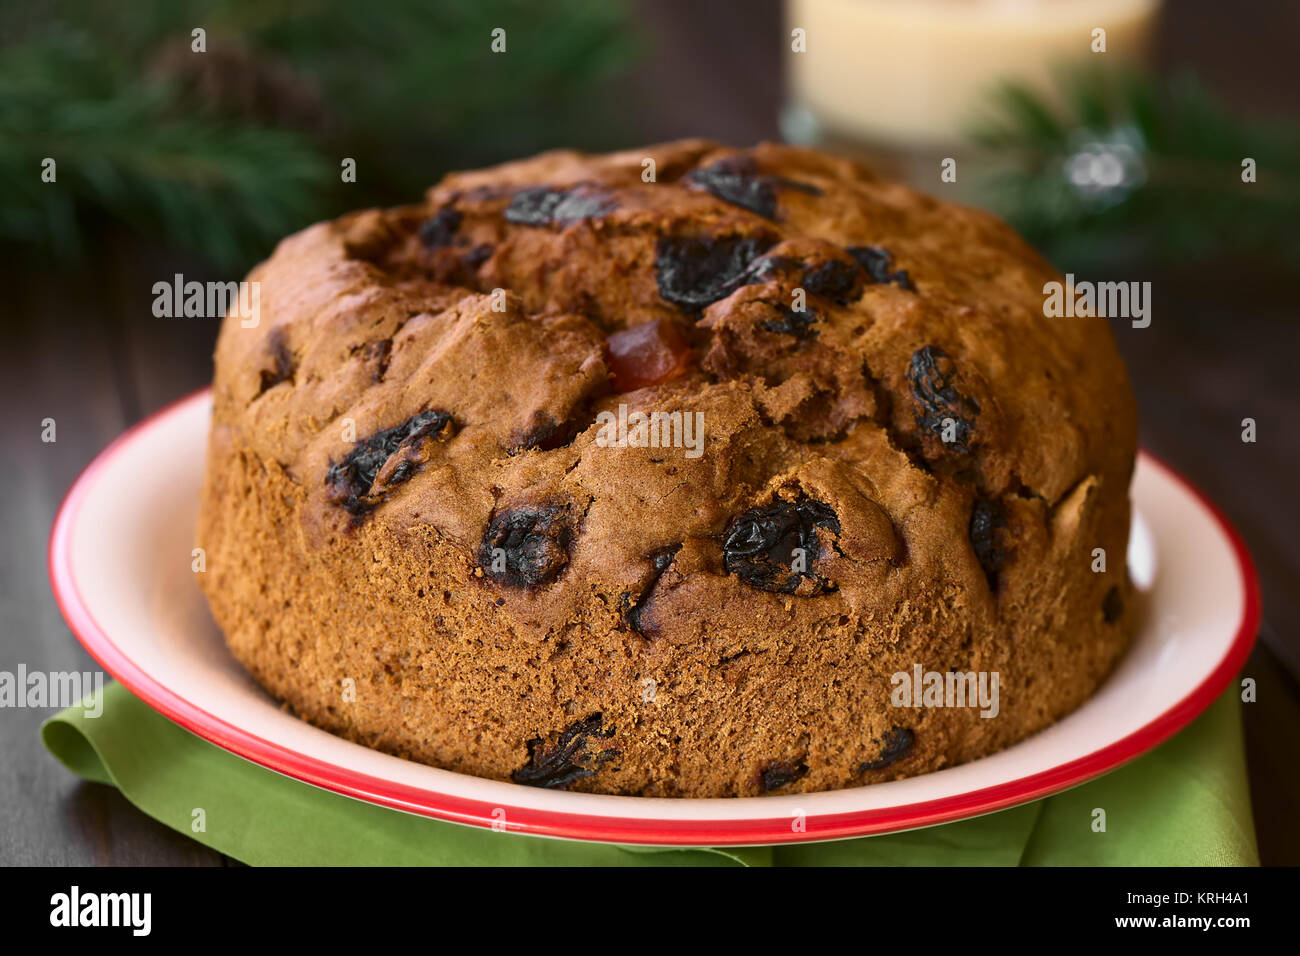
x,y
213,184
225,155
1182,197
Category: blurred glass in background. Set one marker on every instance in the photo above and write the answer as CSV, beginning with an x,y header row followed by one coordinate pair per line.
x,y
902,80
1048,112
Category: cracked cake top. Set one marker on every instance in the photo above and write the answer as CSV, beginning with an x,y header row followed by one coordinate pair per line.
x,y
873,368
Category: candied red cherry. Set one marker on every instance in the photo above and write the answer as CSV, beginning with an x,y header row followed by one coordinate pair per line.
x,y
647,354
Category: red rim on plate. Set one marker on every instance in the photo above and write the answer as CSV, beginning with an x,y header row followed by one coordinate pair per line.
x,y
629,830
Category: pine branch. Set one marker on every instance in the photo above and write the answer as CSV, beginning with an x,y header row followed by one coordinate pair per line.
x,y
226,151
1179,194
225,188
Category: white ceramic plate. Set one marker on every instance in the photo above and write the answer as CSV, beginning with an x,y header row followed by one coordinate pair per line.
x,y
120,567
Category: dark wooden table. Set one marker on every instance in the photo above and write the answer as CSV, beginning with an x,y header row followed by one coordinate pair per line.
x,y
83,348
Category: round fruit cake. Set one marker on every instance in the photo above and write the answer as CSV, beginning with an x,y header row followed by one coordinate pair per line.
x,y
684,471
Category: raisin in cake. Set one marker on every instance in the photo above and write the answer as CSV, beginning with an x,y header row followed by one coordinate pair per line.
x,y
424,534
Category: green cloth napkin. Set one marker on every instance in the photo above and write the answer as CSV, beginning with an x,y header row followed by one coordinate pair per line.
x,y
1185,803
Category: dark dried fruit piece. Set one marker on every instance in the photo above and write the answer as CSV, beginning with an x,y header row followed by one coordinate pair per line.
x,y
765,267
378,353
282,365
555,764
737,180
441,230
544,433
833,279
659,561
544,206
930,374
1112,606
897,745
759,546
477,256
695,271
526,547
876,262
781,773
986,518
646,354
348,483
798,324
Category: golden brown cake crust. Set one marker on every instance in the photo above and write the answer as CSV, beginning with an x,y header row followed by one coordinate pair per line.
x,y
416,538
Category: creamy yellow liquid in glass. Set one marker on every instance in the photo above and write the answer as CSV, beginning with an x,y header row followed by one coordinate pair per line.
x,y
915,72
